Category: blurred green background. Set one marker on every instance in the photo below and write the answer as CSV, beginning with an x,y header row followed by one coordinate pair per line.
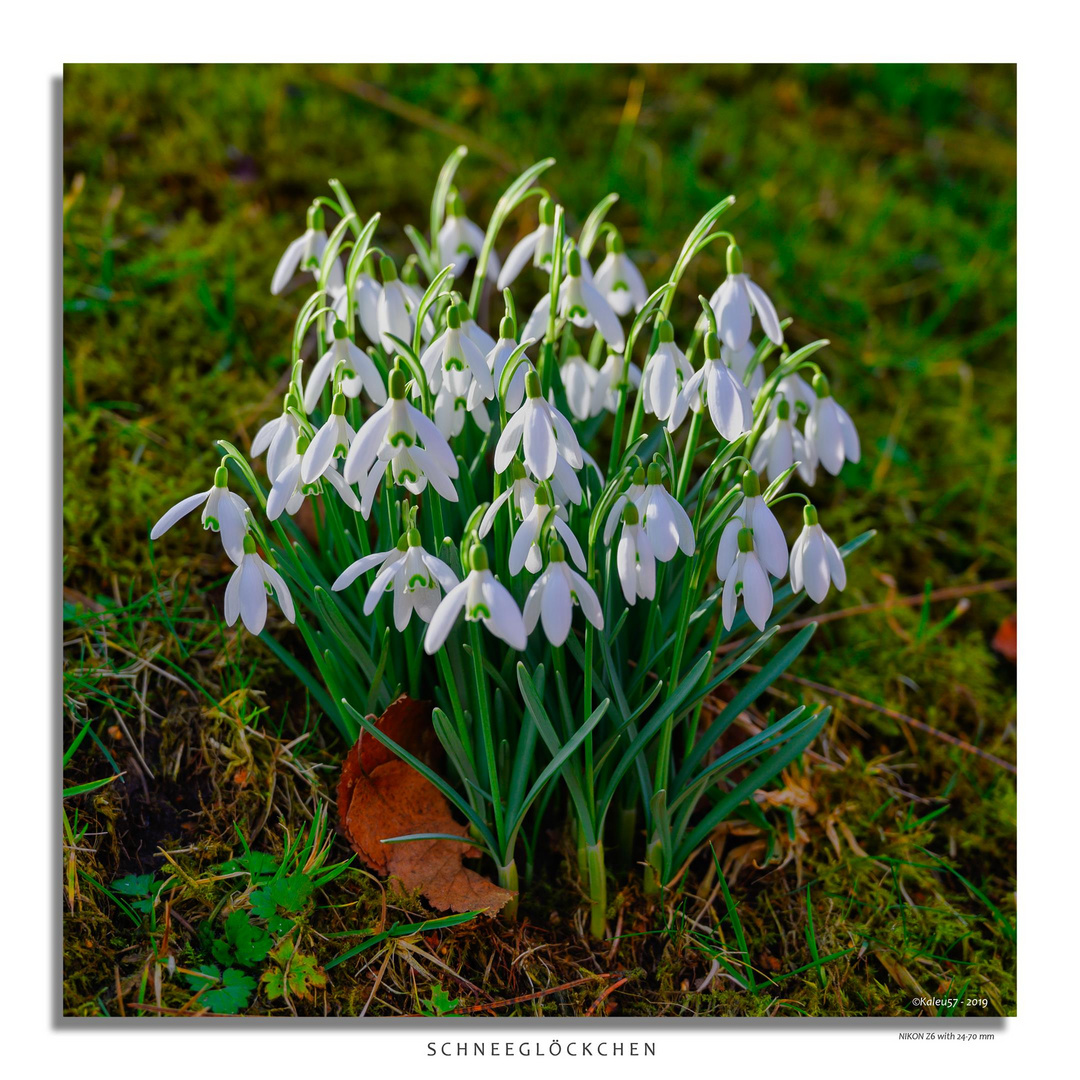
x,y
876,204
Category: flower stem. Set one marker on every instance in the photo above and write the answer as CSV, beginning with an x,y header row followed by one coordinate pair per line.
x,y
508,879
484,716
597,889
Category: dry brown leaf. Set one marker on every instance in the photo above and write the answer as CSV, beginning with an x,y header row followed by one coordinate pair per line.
x,y
1005,639
380,796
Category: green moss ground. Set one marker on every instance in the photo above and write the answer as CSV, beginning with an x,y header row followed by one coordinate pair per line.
x,y
877,204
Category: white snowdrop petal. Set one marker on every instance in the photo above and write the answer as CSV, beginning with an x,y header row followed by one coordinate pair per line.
x,y
281,592
607,322
730,600
441,572
365,447
836,562
537,321
382,581
492,512
587,599
232,598
516,261
828,437
523,541
539,440
505,620
509,441
318,454
756,592
626,564
530,614
287,264
850,436
766,312
556,605
732,309
815,567
728,550
265,436
317,380
571,542
769,542
175,513
252,595
446,614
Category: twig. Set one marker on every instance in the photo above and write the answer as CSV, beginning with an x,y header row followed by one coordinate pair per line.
x,y
900,717
953,592
522,998
610,990
383,99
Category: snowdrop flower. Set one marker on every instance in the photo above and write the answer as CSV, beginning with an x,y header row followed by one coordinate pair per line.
x,y
331,441
393,436
634,558
565,483
739,360
358,371
782,445
484,600
416,578
496,362
251,582
278,437
631,495
543,432
609,378
461,240
366,292
737,300
305,253
618,279
664,520
522,492
451,352
730,407
553,595
829,430
474,331
396,308
795,389
224,512
289,489
666,373
579,380
525,547
754,514
815,560
536,246
746,578
582,304
459,394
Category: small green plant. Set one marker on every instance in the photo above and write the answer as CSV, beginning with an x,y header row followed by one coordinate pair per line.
x,y
224,992
291,973
439,1003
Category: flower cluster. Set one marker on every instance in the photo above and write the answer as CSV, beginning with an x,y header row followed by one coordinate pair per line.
x,y
455,474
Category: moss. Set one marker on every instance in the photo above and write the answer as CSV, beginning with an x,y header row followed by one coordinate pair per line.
x,y
876,203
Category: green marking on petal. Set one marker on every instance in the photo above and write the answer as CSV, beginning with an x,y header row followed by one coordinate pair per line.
x,y
479,611
401,438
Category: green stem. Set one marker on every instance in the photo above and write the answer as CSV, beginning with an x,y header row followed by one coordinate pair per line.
x,y
597,890
483,708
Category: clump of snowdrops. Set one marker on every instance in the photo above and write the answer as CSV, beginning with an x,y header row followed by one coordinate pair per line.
x,y
561,523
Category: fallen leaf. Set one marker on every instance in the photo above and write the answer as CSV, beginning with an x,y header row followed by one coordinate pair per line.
x,y
381,796
1005,639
